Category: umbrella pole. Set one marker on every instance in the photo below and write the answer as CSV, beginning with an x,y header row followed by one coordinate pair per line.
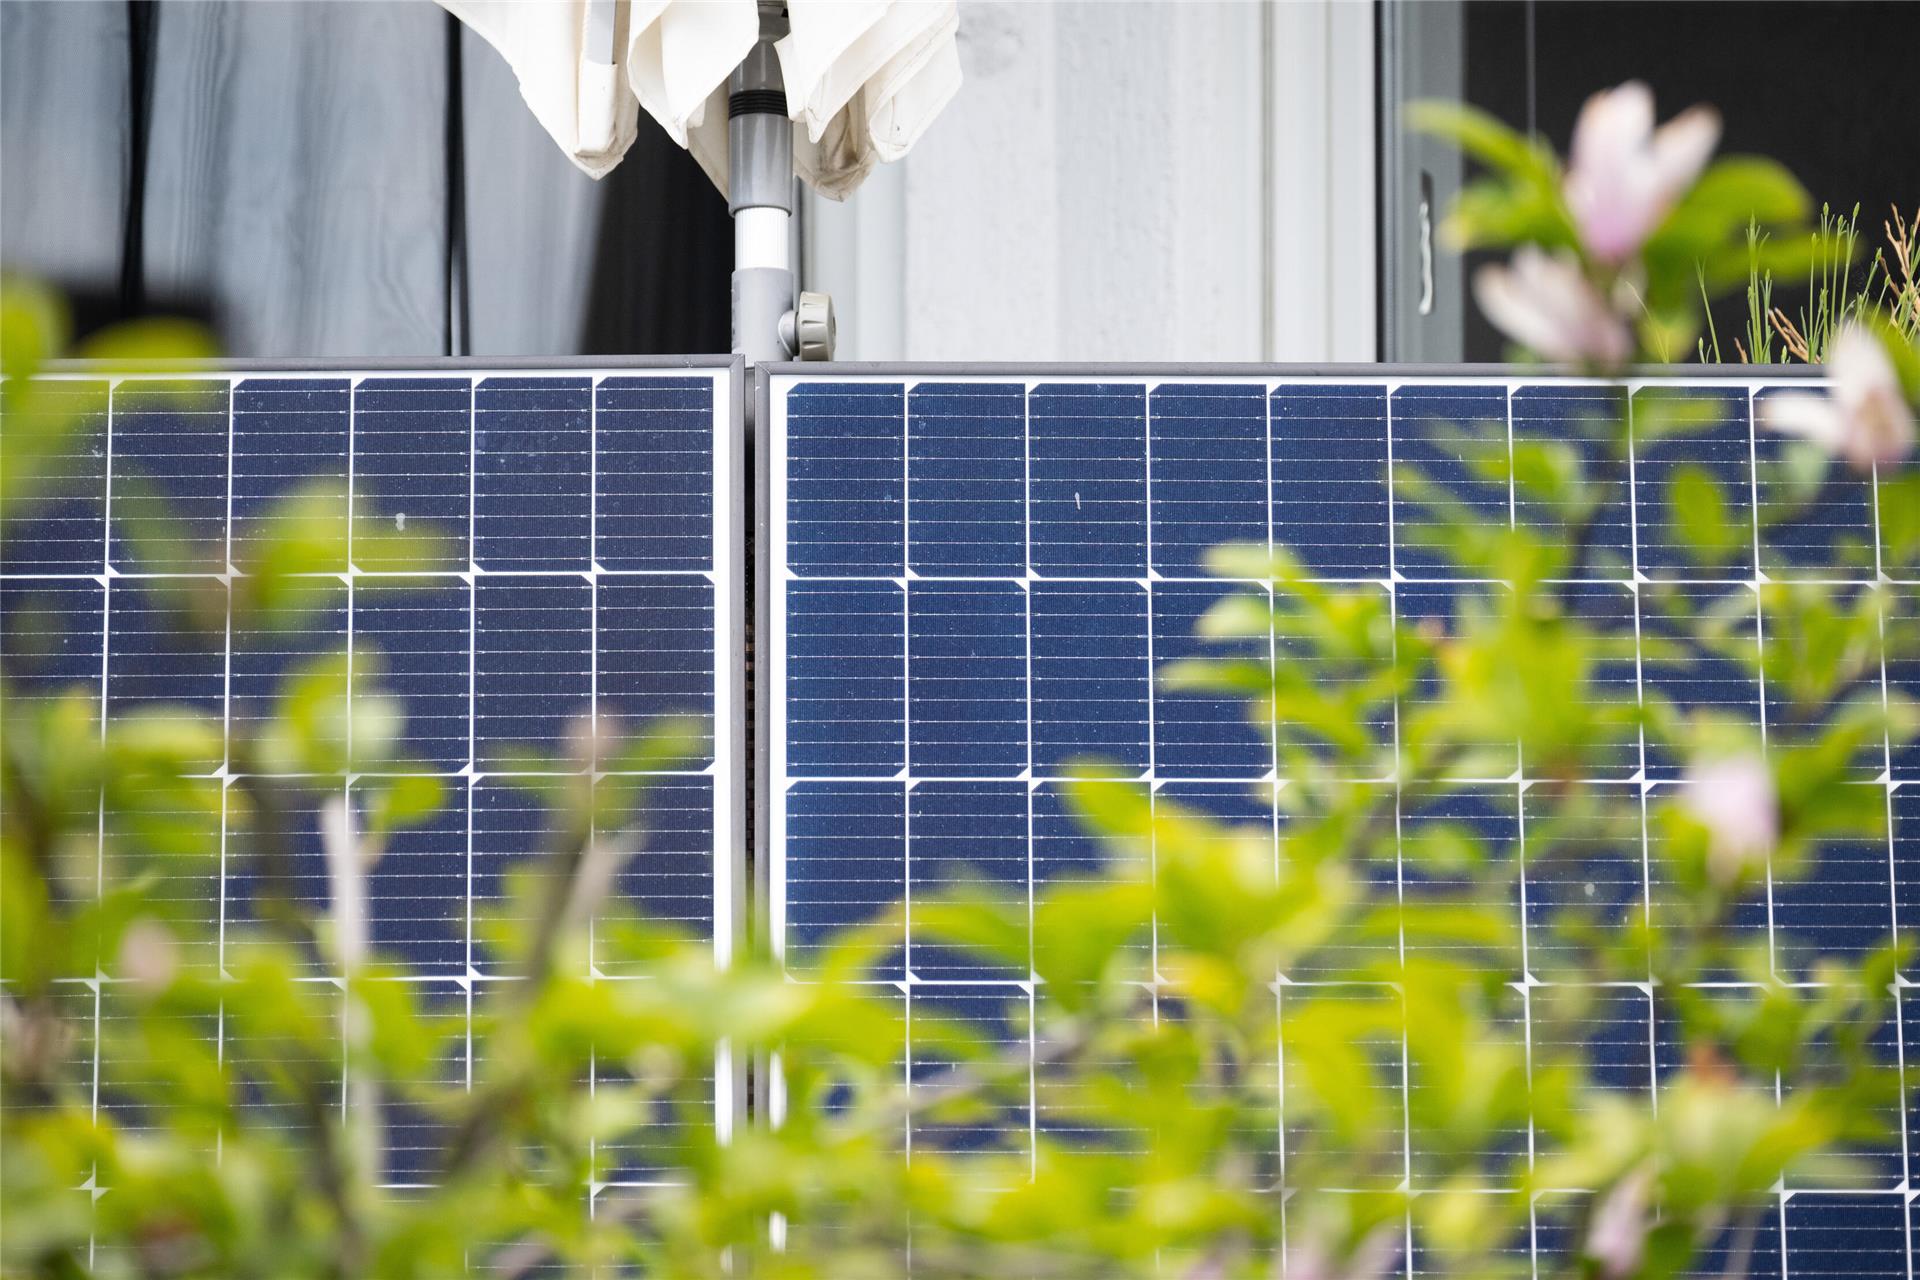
x,y
760,197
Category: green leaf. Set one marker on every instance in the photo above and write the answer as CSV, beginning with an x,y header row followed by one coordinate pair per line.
x,y
404,802
1482,136
1703,517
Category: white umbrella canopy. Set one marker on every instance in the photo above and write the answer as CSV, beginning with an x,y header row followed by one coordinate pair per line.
x,y
864,78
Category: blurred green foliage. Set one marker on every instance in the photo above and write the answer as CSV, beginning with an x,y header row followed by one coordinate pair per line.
x,y
1364,984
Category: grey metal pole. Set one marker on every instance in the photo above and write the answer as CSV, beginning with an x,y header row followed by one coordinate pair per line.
x,y
760,197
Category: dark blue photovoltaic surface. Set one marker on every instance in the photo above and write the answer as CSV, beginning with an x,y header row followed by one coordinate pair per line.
x,y
967,679
1450,436
653,462
1087,491
575,520
1329,477
966,484
168,507
66,532
1209,472
1091,676
413,461
961,835
1718,442
533,473
1581,418
846,860
846,678
982,580
287,433
846,487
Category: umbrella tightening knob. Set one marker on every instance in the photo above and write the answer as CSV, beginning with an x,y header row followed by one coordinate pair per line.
x,y
808,331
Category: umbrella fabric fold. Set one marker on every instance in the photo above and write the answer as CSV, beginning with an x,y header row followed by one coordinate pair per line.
x,y
864,78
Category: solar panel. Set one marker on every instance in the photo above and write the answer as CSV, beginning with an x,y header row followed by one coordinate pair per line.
x,y
968,577
592,542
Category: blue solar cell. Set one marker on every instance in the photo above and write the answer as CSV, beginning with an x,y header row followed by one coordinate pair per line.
x,y
61,526
1907,1010
1329,477
1087,480
1207,458
533,473
1201,735
1839,902
412,467
416,635
1585,883
167,509
1610,1029
1753,1245
1430,823
155,656
1695,679
1307,1135
414,1139
653,462
1590,419
995,1019
1500,1154
1847,1236
965,841
1455,437
967,479
512,826
1825,534
846,855
846,691
1240,804
1905,832
287,433
655,650
1747,919
1296,646
1900,657
1606,609
286,861
1062,845
417,892
54,635
1091,676
967,679
846,479
532,664
1707,430
1437,611
260,660
668,881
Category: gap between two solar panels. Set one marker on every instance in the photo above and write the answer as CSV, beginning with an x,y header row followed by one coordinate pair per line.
x,y
968,577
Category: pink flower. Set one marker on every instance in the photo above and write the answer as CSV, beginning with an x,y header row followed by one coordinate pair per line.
x,y
1624,176
1864,419
148,955
1547,304
1734,799
1617,1238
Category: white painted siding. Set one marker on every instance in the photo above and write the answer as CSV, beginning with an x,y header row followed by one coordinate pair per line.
x,y
1143,181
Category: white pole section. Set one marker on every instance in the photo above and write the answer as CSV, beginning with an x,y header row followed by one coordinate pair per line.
x,y
760,197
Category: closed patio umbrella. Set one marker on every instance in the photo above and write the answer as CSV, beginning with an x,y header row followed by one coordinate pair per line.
x,y
862,79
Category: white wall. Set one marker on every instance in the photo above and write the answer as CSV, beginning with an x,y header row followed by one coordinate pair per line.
x,y
1124,181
